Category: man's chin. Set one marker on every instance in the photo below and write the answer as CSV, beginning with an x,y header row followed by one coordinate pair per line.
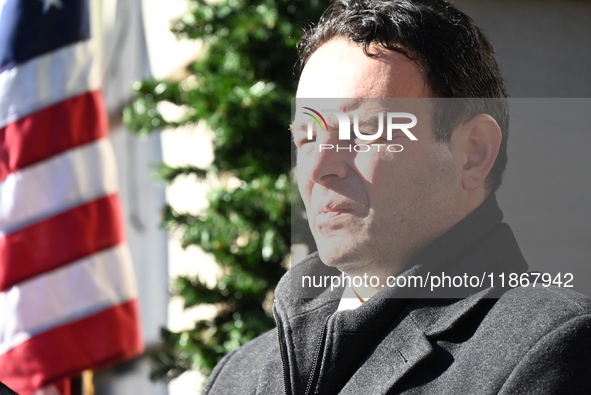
x,y
341,258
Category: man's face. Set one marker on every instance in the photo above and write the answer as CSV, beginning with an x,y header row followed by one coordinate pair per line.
x,y
371,211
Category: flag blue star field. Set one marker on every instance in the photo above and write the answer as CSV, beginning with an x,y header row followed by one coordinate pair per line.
x,y
29,28
68,300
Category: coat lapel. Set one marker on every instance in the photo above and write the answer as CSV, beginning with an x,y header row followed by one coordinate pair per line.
x,y
409,341
398,353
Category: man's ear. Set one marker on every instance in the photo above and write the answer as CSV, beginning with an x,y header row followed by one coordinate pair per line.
x,y
475,144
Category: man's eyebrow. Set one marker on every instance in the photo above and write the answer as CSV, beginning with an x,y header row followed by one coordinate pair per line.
x,y
297,126
365,119
350,105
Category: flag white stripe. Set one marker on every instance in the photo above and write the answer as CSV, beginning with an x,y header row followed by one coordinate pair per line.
x,y
67,294
49,390
57,184
47,80
2,2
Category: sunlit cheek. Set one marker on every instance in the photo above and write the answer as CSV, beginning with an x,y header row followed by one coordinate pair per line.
x,y
303,169
367,164
304,185
364,166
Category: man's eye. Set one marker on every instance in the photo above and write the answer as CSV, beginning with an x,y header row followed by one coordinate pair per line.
x,y
369,134
367,137
301,138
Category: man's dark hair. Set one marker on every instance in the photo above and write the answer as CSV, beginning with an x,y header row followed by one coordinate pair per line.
x,y
456,59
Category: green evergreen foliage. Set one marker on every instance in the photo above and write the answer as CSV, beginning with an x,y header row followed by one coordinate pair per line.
x,y
241,87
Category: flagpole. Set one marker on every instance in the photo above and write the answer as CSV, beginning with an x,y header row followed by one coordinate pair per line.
x,y
87,382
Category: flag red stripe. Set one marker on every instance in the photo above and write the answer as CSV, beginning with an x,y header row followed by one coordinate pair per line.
x,y
45,133
98,340
59,240
63,386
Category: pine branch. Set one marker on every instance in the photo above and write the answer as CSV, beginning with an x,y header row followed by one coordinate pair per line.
x,y
240,87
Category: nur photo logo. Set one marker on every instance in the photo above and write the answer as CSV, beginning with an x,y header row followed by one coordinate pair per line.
x,y
364,128
316,116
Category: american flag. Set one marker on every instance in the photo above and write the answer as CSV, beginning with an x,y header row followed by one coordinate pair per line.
x,y
68,300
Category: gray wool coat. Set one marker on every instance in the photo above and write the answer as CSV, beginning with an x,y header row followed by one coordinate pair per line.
x,y
487,340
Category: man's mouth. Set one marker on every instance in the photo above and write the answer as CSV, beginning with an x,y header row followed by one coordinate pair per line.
x,y
330,215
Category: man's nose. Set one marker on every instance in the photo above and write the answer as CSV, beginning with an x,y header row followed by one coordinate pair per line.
x,y
330,161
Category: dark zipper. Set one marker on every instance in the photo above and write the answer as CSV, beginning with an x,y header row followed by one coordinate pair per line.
x,y
283,352
316,366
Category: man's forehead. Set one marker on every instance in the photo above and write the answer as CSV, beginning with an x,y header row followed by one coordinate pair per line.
x,y
340,68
